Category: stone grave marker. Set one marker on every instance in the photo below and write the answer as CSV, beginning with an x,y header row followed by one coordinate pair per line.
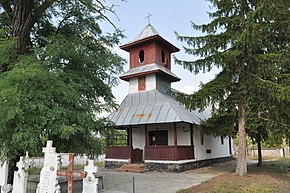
x,y
20,177
3,174
48,176
6,188
90,183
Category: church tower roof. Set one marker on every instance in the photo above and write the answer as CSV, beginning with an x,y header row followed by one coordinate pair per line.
x,y
148,31
147,34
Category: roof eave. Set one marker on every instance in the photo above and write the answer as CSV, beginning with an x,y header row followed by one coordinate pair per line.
x,y
171,78
157,37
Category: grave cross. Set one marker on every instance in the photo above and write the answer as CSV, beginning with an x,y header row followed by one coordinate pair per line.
x,y
70,173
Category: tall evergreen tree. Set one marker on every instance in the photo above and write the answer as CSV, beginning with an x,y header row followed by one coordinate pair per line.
x,y
249,42
57,69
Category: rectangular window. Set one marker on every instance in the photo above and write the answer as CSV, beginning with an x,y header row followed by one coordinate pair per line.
x,y
201,140
158,138
141,83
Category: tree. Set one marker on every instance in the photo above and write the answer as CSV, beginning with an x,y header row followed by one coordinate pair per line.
x,y
249,42
57,68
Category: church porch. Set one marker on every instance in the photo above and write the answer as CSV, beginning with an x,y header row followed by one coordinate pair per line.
x,y
160,142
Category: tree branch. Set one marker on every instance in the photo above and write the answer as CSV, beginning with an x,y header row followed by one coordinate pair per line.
x,y
7,7
43,7
100,8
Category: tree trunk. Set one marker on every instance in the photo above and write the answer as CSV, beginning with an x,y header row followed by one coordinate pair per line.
x,y
241,169
23,20
11,168
259,153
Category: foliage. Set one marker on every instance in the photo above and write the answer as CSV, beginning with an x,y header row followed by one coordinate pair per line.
x,y
249,42
56,88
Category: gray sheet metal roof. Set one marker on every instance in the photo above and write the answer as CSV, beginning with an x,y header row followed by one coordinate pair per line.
x,y
153,107
146,69
148,31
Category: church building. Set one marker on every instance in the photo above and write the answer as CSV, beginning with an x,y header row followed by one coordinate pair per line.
x,y
161,133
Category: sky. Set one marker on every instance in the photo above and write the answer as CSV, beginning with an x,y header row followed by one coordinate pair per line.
x,y
167,16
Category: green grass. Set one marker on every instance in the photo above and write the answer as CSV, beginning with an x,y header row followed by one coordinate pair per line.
x,y
276,179
236,188
36,170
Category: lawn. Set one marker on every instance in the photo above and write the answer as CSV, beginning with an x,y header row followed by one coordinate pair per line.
x,y
273,176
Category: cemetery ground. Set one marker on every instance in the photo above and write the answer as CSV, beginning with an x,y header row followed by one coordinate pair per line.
x,y
273,176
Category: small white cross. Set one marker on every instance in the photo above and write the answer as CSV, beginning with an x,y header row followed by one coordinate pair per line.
x,y
48,148
21,164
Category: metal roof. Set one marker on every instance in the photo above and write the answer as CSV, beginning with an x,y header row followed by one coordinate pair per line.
x,y
148,31
151,107
147,69
147,34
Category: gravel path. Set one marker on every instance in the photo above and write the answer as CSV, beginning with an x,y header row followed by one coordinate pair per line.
x,y
161,182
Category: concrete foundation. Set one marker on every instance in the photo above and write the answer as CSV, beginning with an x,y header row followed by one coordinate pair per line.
x,y
172,167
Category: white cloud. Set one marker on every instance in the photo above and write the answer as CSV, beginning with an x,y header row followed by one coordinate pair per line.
x,y
188,89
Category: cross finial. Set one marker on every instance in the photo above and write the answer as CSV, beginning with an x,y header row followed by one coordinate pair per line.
x,y
148,17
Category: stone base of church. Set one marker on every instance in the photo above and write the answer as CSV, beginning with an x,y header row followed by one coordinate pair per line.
x,y
183,165
168,166
115,163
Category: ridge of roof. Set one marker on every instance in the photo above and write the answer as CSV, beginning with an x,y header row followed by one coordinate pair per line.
x,y
148,31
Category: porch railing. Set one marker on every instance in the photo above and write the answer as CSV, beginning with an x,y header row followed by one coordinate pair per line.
x,y
119,152
169,152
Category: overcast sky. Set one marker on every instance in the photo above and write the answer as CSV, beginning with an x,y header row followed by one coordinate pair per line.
x,y
167,16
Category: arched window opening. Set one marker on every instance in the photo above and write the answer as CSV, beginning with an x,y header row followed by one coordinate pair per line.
x,y
141,56
163,56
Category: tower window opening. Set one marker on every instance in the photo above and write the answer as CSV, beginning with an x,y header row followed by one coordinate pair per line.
x,y
163,56
141,56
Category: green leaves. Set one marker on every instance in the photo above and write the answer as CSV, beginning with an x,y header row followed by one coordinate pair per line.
x,y
55,90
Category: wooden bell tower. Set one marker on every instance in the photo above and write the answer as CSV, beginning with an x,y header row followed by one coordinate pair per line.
x,y
148,48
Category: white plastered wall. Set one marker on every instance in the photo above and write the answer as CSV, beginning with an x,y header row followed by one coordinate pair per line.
x,y
150,82
210,143
183,134
162,85
183,138
138,137
133,85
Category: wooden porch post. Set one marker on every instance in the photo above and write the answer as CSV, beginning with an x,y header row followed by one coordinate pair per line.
x,y
175,134
146,135
191,139
191,134
130,136
108,138
131,145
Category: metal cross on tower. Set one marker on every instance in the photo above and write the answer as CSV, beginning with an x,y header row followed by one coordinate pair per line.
x,y
148,17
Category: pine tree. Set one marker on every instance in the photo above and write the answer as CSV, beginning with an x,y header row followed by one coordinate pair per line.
x,y
249,42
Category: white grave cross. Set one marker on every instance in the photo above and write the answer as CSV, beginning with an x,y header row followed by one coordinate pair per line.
x,y
20,177
48,176
3,174
90,183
